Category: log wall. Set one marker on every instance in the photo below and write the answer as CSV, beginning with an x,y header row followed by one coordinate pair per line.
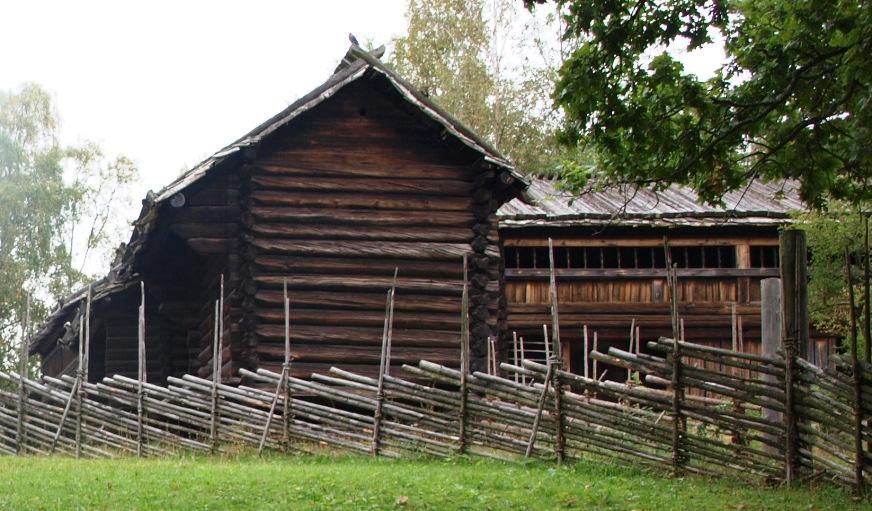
x,y
354,189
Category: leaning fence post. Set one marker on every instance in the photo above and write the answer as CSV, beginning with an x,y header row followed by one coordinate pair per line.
x,y
216,365
539,408
288,406
794,302
141,373
283,380
83,370
678,423
383,369
464,362
20,440
556,359
855,380
559,435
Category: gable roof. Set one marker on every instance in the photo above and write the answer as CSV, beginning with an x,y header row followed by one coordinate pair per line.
x,y
545,204
356,64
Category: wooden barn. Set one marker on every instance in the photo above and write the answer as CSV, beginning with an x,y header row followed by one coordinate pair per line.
x,y
365,175
359,177
610,266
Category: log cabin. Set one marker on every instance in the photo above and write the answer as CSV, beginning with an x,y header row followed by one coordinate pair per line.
x,y
361,177
610,252
365,175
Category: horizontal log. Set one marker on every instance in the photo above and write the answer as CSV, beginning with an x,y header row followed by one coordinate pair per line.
x,y
329,318
421,250
337,216
396,184
331,164
344,232
298,265
334,354
369,336
376,201
371,283
359,300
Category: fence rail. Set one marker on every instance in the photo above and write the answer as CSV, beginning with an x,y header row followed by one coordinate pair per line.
x,y
737,426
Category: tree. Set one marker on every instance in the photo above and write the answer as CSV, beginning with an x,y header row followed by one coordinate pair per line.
x,y
47,193
829,234
463,54
791,100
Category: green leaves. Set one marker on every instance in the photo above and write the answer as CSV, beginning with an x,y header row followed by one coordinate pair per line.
x,y
48,194
791,99
456,51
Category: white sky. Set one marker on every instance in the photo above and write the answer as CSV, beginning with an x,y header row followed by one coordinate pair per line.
x,y
169,83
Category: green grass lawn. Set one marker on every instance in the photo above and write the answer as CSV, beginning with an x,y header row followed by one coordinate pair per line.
x,y
354,482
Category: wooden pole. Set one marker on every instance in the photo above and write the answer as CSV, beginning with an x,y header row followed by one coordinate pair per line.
x,y
672,285
678,421
559,419
556,350
556,361
515,353
595,348
523,357
586,357
770,329
493,345
20,440
464,361
141,374
794,301
84,352
630,346
213,427
856,387
383,369
546,343
867,307
733,326
540,406
286,368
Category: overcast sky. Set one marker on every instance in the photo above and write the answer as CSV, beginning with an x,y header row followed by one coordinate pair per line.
x,y
168,83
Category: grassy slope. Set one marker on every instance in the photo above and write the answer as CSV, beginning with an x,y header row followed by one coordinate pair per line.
x,y
361,483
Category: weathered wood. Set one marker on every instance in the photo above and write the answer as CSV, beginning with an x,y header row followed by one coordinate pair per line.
x,y
464,362
421,250
380,201
345,232
396,184
384,369
361,217
335,266
855,373
795,331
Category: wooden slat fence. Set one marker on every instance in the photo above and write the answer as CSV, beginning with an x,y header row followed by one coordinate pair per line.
x,y
722,430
